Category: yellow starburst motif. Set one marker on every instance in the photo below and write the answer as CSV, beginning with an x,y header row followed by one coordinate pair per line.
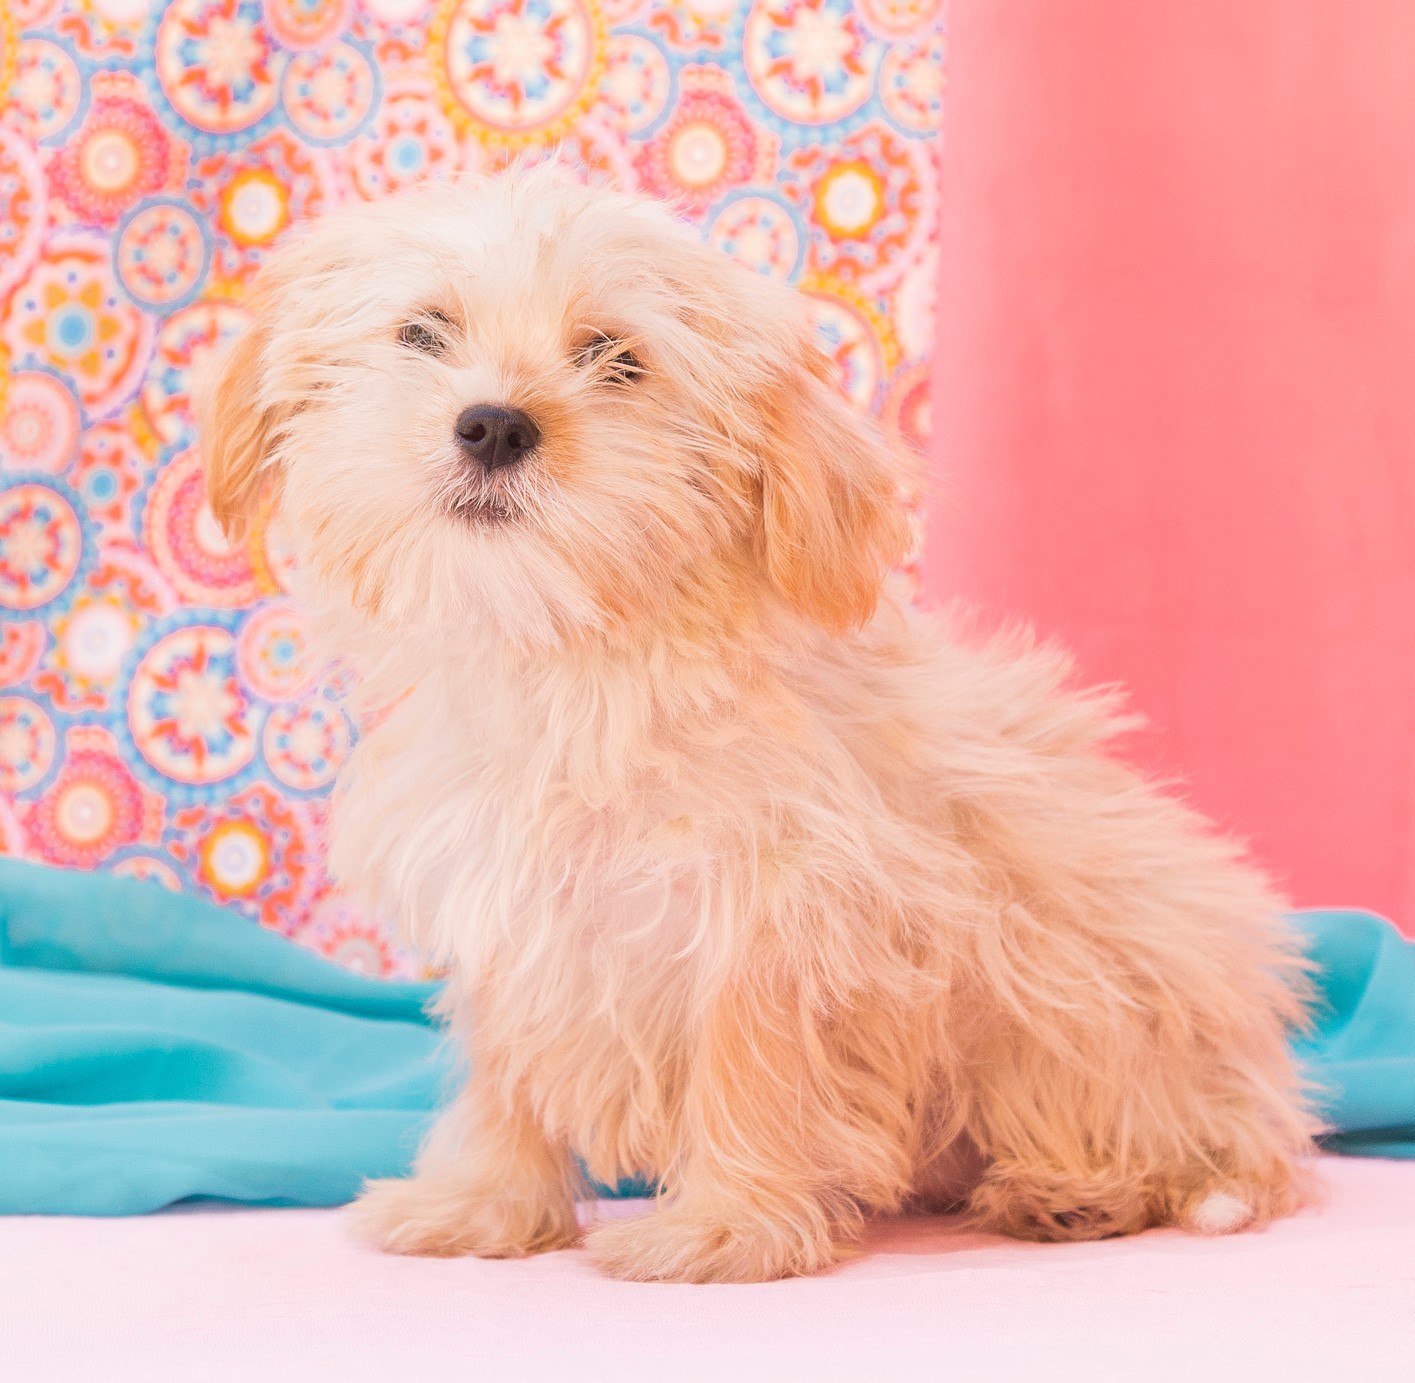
x,y
517,74
855,331
234,858
850,200
254,207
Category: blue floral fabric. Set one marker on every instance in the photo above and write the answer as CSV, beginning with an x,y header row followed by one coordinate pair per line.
x,y
158,714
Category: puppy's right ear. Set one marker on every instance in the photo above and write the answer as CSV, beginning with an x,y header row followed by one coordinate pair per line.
x,y
237,426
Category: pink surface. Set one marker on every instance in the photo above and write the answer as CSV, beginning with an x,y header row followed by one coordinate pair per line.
x,y
1175,414
238,1295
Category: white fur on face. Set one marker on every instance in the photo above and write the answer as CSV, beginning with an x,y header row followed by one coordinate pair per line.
x,y
515,286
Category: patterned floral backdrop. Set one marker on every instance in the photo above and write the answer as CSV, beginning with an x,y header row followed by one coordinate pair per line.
x,y
157,716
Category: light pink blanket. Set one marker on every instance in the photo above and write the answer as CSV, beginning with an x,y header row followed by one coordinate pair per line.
x,y
216,1295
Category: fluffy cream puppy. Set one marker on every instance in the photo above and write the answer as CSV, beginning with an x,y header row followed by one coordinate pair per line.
x,y
746,876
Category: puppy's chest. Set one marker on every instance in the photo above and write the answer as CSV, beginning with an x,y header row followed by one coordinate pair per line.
x,y
602,921
540,849
591,1007
588,968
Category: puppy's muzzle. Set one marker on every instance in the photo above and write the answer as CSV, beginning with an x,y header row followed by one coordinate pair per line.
x,y
496,436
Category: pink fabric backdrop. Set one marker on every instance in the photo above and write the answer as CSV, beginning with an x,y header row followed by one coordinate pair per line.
x,y
1175,406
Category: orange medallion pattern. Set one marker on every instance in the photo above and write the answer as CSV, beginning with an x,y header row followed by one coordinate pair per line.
x,y
159,713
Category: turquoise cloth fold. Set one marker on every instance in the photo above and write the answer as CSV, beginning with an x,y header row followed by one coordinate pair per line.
x,y
1361,1051
154,1048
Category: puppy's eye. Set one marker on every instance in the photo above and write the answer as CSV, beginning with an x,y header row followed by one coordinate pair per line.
x,y
429,334
615,361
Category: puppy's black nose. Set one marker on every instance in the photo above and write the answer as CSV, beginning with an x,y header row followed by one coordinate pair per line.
x,y
496,436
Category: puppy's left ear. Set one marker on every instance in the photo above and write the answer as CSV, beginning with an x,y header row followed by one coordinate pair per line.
x,y
236,429
832,518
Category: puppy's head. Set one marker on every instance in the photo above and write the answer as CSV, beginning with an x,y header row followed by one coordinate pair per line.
x,y
547,408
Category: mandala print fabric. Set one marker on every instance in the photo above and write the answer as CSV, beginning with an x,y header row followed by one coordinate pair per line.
x,y
158,715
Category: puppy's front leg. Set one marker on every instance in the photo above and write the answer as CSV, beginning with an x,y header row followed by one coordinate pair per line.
x,y
487,1182
757,1188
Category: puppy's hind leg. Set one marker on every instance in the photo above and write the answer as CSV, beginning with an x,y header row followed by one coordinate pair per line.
x,y
1074,1154
487,1182
1049,1194
1129,1105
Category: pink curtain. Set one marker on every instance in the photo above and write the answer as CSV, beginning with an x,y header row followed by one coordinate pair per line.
x,y
1175,403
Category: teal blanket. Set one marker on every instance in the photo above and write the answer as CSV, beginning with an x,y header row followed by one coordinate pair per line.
x,y
154,1048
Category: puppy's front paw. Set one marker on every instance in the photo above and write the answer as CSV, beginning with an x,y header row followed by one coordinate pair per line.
x,y
444,1219
674,1245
